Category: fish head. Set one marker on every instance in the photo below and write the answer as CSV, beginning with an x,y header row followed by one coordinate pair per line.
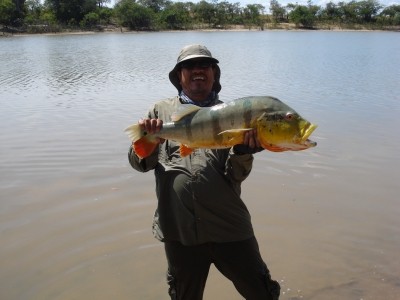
x,y
284,131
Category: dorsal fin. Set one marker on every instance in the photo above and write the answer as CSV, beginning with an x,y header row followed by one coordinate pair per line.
x,y
184,110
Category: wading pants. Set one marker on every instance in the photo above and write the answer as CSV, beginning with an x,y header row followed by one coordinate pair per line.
x,y
240,262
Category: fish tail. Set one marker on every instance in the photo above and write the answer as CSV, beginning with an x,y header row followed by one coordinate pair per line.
x,y
135,132
143,144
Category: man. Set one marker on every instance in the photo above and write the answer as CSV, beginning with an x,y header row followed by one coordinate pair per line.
x,y
200,216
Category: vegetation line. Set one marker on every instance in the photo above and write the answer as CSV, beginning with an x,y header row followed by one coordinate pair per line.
x,y
31,16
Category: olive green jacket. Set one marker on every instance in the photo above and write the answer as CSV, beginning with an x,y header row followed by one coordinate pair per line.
x,y
198,195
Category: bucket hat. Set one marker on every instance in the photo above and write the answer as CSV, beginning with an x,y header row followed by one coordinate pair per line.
x,y
191,52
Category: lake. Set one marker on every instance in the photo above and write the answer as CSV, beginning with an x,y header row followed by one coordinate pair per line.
x,y
75,218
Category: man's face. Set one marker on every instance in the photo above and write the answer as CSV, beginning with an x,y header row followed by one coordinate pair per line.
x,y
196,77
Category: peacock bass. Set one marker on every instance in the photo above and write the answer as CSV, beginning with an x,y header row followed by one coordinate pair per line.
x,y
279,127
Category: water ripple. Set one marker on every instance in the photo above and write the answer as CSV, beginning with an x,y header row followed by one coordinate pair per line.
x,y
71,205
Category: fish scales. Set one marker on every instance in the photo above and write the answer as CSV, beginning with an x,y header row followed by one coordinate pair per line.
x,y
247,112
216,126
203,127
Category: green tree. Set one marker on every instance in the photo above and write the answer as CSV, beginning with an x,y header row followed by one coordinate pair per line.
x,y
278,12
19,5
90,20
134,15
390,15
227,13
205,12
331,12
12,12
155,5
105,15
71,11
33,11
391,11
175,16
221,13
348,11
19,11
7,12
252,15
367,10
48,17
231,12
305,16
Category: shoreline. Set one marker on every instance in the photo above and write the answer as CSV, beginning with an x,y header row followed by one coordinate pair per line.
x,y
233,28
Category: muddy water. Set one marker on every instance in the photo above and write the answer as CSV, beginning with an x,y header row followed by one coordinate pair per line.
x,y
75,219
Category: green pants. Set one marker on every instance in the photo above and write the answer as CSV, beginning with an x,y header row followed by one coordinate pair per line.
x,y
240,262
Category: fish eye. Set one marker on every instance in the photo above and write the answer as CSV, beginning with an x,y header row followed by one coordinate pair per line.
x,y
289,116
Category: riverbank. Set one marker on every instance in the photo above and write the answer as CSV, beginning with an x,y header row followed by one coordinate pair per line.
x,y
44,30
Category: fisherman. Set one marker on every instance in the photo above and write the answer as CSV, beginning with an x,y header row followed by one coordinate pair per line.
x,y
201,217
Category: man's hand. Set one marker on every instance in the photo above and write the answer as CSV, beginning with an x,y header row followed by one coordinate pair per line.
x,y
152,126
250,144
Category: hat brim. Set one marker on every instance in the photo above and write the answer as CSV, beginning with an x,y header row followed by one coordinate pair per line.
x,y
194,56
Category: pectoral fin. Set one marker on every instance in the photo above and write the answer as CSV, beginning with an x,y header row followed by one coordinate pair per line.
x,y
145,146
185,150
233,136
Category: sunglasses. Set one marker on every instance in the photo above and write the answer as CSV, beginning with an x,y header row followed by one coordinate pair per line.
x,y
191,64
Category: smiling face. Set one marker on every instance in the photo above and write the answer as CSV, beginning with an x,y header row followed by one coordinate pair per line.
x,y
196,77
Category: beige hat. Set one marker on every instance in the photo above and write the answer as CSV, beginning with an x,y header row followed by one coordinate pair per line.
x,y
191,52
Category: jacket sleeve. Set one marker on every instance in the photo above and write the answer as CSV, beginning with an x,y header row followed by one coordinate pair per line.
x,y
238,167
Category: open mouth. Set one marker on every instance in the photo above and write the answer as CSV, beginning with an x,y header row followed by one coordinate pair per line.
x,y
198,77
309,143
307,132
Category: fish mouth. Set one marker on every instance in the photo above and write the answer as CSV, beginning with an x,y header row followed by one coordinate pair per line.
x,y
307,131
305,137
309,143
